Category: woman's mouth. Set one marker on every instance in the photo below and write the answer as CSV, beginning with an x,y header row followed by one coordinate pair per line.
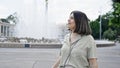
x,y
69,23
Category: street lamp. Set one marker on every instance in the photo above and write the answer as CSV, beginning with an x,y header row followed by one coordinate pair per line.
x,y
100,26
100,30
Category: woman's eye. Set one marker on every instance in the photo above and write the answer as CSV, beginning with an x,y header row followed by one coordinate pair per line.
x,y
71,18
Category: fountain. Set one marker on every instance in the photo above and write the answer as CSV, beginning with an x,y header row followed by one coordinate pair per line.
x,y
34,20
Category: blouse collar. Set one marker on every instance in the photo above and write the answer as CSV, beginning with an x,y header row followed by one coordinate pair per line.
x,y
77,38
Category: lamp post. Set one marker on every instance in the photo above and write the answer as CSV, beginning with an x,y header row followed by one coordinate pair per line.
x,y
100,26
100,30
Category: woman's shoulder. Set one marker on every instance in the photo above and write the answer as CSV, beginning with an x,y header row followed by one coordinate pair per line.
x,y
67,35
89,37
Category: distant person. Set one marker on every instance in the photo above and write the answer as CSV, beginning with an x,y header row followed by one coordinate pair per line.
x,y
79,48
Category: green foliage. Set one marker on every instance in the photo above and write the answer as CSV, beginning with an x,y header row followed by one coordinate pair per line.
x,y
4,20
109,34
116,1
110,23
13,17
116,19
95,29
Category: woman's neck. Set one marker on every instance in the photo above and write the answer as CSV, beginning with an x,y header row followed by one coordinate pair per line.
x,y
73,33
73,36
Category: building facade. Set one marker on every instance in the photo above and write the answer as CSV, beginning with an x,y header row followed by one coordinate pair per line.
x,y
6,29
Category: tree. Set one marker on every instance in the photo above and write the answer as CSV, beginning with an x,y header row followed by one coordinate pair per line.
x,y
116,13
109,34
95,28
110,22
4,20
116,1
13,17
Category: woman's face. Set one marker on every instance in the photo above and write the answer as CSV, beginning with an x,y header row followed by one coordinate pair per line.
x,y
71,22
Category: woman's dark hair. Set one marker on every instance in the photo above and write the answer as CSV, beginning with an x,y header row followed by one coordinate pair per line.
x,y
81,22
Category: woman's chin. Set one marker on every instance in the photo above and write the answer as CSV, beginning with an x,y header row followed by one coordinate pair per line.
x,y
69,28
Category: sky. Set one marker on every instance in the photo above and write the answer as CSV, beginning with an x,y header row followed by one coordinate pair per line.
x,y
62,7
32,13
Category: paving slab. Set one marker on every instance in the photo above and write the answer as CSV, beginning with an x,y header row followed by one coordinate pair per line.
x,y
108,57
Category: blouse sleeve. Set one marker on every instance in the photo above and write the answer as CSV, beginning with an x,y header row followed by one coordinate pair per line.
x,y
91,48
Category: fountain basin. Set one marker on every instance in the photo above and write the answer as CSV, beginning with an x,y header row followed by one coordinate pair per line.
x,y
99,43
104,43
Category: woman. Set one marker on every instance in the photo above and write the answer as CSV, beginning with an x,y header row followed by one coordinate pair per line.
x,y
79,48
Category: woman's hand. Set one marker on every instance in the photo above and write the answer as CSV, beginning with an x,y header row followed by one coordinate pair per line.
x,y
57,63
93,63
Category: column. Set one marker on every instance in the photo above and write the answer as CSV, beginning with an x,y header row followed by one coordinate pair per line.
x,y
6,31
0,30
3,31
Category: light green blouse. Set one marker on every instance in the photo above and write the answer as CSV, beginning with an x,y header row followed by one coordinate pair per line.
x,y
84,49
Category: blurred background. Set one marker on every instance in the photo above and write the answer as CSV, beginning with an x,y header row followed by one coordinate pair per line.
x,y
47,19
32,31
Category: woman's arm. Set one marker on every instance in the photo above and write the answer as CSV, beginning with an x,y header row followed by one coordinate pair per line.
x,y
93,63
56,64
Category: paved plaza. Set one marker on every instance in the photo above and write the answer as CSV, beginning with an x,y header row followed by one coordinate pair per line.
x,y
108,57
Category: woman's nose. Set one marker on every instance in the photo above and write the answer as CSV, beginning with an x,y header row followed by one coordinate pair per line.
x,y
68,20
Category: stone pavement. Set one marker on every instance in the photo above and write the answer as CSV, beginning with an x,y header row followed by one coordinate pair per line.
x,y
108,57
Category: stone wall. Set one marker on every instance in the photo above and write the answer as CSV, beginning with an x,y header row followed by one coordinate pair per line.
x,y
33,45
39,45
